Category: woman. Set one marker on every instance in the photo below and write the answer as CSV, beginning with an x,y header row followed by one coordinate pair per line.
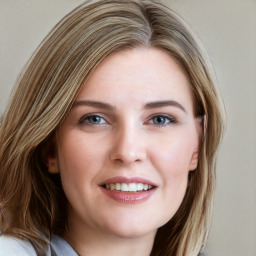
x,y
109,142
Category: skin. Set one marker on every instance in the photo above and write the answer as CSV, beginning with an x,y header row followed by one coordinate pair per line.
x,y
128,141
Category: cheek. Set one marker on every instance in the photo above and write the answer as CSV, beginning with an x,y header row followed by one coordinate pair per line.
x,y
171,159
79,159
173,156
172,164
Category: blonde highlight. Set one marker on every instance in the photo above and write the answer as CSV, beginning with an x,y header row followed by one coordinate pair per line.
x,y
45,91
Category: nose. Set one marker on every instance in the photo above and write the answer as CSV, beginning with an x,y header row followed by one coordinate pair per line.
x,y
128,147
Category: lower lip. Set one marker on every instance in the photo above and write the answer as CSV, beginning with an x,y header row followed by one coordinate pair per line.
x,y
129,197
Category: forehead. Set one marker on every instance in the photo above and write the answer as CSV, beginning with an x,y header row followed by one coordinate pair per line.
x,y
140,74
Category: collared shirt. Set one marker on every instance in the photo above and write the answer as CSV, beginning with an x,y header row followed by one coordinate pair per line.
x,y
17,247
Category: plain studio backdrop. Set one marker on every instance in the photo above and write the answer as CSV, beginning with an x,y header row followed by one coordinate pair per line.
x,y
227,28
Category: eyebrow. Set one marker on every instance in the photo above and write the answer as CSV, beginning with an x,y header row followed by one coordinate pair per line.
x,y
161,104
95,104
150,105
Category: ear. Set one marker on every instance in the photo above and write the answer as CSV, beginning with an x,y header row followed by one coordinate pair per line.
x,y
200,128
51,158
194,160
52,164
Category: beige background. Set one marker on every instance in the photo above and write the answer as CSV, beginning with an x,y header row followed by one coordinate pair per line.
x,y
228,31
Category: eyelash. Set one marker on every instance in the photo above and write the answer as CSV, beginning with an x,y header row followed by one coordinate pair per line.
x,y
168,118
171,120
84,119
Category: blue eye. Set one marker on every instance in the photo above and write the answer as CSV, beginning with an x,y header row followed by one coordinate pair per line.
x,y
161,120
92,120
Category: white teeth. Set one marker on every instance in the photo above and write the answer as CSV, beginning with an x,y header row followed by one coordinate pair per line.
x,y
140,186
118,186
131,187
124,187
145,186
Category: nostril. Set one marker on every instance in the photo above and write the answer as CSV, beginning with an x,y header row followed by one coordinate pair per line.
x,y
128,146
126,158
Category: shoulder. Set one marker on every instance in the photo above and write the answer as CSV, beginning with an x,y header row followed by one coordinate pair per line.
x,y
15,247
61,247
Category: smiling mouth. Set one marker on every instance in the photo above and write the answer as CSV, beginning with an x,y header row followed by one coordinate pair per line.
x,y
130,191
128,187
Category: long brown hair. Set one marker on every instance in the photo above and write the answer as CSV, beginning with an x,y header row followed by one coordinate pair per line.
x,y
31,198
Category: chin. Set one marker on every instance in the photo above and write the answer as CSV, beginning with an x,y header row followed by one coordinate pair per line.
x,y
131,227
132,232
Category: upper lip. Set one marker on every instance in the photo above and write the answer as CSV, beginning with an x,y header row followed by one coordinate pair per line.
x,y
123,179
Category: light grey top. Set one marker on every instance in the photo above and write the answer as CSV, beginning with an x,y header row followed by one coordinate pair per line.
x,y
10,246
16,247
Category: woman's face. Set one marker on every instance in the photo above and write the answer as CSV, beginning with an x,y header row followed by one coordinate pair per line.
x,y
128,144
